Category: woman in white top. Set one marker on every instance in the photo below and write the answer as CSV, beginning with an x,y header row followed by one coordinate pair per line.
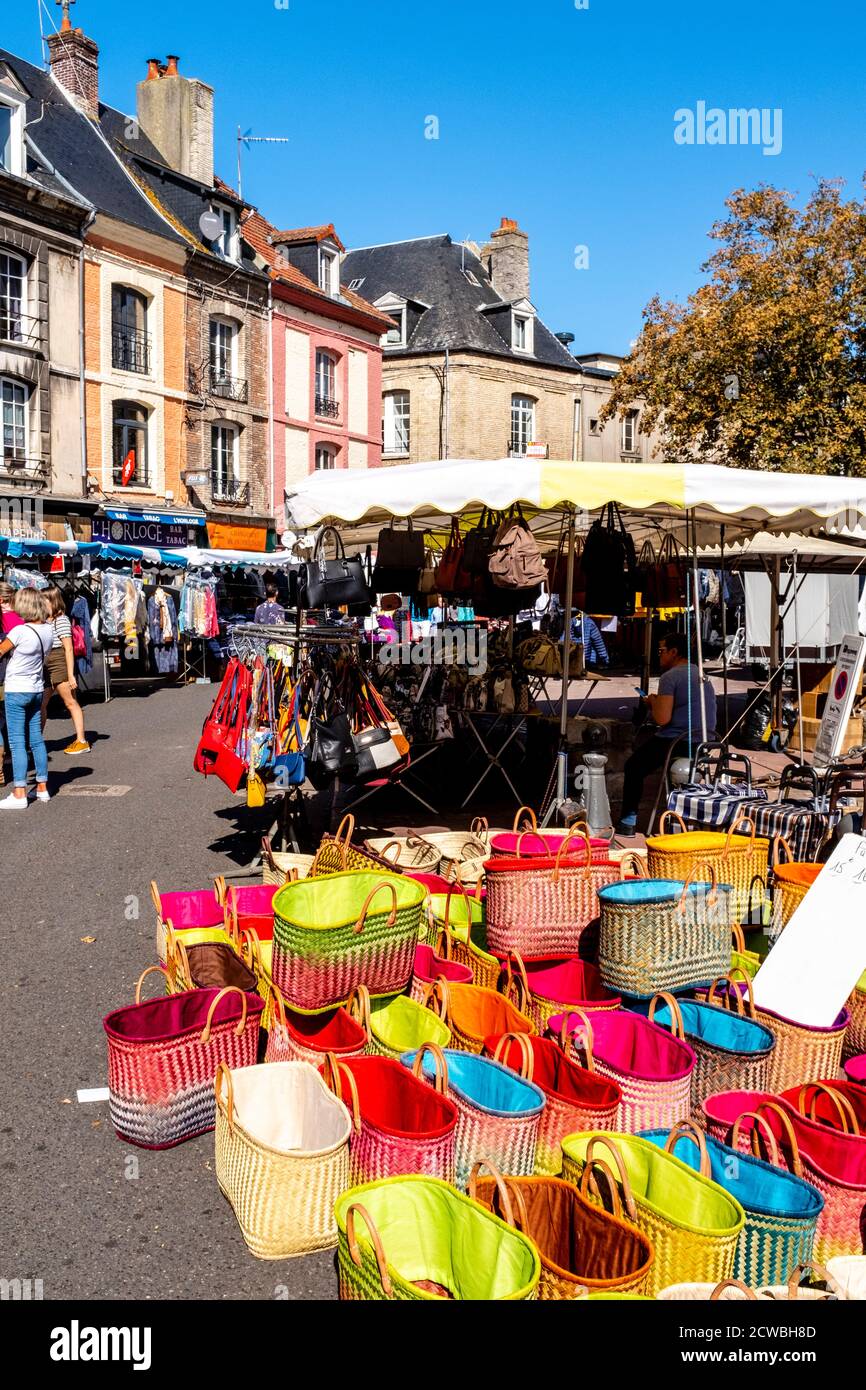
x,y
60,678
27,647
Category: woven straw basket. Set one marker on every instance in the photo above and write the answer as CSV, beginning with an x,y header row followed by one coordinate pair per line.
x,y
738,858
283,866
791,883
498,1114
583,1249
801,1053
282,1156
693,1224
473,1014
394,1026
540,905
411,852
732,1052
310,1037
855,1038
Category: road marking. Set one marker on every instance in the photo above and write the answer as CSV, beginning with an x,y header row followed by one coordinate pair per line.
x,y
91,789
95,1093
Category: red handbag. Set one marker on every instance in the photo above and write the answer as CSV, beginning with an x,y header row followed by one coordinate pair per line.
x,y
216,754
452,576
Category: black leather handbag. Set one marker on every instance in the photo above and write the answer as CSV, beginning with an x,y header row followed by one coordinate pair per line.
x,y
399,560
331,583
330,750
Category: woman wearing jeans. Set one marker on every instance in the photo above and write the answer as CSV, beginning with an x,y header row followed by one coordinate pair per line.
x,y
27,647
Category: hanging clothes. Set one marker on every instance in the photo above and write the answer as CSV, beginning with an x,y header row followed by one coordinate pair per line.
x,y
163,630
81,615
198,606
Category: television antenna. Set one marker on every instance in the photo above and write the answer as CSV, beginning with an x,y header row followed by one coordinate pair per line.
x,y
245,139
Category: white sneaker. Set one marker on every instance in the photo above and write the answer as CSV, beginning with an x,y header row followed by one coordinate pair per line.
x,y
13,803
43,796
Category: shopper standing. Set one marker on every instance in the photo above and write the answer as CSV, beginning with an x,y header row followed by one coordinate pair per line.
x,y
27,647
8,619
60,671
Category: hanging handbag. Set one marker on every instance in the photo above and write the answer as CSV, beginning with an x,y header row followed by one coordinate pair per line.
x,y
671,575
428,578
480,541
647,576
452,577
290,764
333,583
330,751
399,559
609,563
216,754
515,560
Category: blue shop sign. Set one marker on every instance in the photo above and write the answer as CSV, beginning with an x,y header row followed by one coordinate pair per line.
x,y
143,528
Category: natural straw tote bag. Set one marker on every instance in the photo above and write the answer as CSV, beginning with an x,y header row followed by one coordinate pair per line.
x,y
309,1037
417,1240
428,967
833,1162
163,1056
556,983
737,856
660,934
337,855
473,1013
791,883
356,928
498,1114
855,1038
539,904
782,1209
282,1156
694,1225
583,1248
400,1125
652,1068
455,847
849,1272
735,1290
575,1098
406,852
394,1026
732,1052
196,909
283,866
802,1053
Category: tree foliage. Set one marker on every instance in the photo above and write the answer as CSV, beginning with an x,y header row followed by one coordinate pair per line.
x,y
765,365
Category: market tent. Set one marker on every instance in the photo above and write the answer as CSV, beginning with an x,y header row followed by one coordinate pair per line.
x,y
815,554
18,547
195,557
433,492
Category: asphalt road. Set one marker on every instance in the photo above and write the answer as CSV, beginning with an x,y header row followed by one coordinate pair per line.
x,y
90,1216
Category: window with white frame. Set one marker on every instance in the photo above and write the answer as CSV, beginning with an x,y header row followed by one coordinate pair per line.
x,y
226,241
225,478
629,432
522,332
130,464
11,133
396,336
13,284
326,457
395,422
13,403
326,384
329,281
223,334
522,423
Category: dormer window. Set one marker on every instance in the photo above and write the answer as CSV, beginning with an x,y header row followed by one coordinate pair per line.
x,y
11,132
329,267
521,332
226,241
396,336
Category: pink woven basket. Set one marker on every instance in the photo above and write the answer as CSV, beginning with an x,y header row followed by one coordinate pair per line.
x,y
428,967
652,1068
310,1037
543,904
399,1124
163,1055
558,982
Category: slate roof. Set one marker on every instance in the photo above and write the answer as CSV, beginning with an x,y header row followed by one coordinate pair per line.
x,y
429,270
74,146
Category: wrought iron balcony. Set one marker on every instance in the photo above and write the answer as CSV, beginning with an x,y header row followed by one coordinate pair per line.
x,y
16,327
516,449
17,468
229,490
140,478
228,388
130,349
327,406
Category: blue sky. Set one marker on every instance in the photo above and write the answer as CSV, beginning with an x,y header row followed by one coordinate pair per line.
x,y
560,117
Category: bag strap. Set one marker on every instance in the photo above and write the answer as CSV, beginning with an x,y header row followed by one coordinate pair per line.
x,y
440,1078
331,1074
844,1108
242,1021
527,1063
774,1108
676,1024
687,1129
507,1194
588,1035
602,1141
375,1240
318,553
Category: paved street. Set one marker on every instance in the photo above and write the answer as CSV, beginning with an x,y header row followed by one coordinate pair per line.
x,y
79,1221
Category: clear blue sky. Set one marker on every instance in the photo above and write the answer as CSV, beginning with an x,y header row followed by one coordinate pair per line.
x,y
561,118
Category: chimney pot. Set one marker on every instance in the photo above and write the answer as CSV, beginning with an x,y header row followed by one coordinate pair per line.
x,y
74,60
506,259
152,69
171,69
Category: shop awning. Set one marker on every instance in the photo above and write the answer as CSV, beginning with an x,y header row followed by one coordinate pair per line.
x,y
815,554
433,492
196,557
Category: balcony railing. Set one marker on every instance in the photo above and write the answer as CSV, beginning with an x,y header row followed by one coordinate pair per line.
x,y
516,449
327,406
139,479
228,388
229,490
16,327
29,472
130,350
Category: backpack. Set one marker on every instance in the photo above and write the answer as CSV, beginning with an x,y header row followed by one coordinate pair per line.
x,y
79,646
515,560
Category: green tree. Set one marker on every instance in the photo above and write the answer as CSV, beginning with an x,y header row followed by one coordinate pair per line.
x,y
765,365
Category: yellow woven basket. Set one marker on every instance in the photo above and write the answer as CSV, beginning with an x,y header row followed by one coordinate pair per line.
x,y
737,858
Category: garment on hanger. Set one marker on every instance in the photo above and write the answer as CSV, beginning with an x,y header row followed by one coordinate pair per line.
x,y
198,606
80,614
163,630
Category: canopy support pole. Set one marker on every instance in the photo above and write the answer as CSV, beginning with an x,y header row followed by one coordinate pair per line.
x,y
775,646
699,646
724,636
566,643
797,658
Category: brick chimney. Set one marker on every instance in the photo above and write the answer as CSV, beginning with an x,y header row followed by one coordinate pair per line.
x,y
506,260
74,62
176,113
